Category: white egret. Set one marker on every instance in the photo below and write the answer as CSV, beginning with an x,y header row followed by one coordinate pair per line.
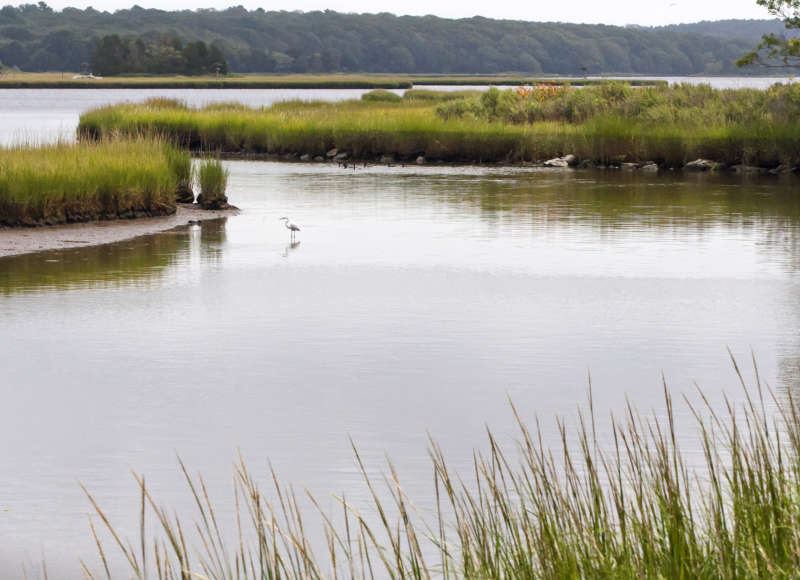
x,y
290,226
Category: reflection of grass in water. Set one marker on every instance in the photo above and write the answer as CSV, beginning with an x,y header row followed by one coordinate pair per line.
x,y
622,198
630,506
138,260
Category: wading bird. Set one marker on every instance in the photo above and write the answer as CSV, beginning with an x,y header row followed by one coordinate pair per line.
x,y
290,226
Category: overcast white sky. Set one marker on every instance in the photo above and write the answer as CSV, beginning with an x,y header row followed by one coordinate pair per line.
x,y
645,12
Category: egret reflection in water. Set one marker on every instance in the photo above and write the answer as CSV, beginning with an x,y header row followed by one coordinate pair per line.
x,y
290,248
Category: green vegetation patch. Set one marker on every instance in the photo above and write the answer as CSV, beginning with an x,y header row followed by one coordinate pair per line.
x,y
382,96
213,180
610,123
89,181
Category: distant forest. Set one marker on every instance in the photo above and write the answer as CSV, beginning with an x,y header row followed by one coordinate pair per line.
x,y
167,55
34,37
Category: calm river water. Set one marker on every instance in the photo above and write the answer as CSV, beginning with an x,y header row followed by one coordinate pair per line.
x,y
416,298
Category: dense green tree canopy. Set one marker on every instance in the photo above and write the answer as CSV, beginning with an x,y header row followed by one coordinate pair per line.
x,y
114,55
34,37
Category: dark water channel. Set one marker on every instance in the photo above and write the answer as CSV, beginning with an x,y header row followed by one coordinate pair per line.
x,y
415,299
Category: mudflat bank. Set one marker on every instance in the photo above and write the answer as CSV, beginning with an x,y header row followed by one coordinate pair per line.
x,y
16,241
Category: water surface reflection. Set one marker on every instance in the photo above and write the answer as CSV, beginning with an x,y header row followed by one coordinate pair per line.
x,y
141,261
414,299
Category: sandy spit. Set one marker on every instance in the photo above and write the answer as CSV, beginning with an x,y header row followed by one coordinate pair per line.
x,y
15,241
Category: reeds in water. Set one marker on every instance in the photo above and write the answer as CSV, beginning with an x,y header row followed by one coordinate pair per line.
x,y
213,180
67,182
629,506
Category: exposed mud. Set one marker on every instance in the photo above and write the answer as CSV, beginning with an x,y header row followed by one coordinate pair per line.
x,y
23,240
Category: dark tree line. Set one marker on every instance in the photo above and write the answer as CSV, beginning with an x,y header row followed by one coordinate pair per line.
x,y
115,55
751,30
36,38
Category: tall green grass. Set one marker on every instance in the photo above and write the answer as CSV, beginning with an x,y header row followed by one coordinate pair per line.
x,y
679,105
632,505
605,124
87,181
213,180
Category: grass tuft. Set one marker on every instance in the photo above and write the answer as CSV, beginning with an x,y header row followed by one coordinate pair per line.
x,y
629,506
213,179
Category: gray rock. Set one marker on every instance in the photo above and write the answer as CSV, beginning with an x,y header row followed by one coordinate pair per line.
x,y
305,157
699,165
387,158
780,169
650,167
340,157
420,160
319,158
628,166
570,159
556,162
332,153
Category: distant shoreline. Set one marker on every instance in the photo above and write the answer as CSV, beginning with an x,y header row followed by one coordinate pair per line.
x,y
66,81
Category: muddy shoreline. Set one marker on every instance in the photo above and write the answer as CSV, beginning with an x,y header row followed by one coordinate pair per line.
x,y
24,240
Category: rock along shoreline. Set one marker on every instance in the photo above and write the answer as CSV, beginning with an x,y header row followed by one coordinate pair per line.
x,y
343,159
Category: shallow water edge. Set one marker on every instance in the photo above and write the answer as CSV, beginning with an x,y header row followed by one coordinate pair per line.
x,y
18,241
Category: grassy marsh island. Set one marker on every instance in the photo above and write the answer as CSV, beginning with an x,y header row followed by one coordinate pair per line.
x,y
607,124
633,506
102,180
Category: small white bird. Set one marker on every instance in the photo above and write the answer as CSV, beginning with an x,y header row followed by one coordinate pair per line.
x,y
290,226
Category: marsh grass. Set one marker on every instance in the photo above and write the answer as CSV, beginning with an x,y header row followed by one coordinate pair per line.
x,y
108,179
212,177
439,96
381,95
606,124
627,506
180,164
